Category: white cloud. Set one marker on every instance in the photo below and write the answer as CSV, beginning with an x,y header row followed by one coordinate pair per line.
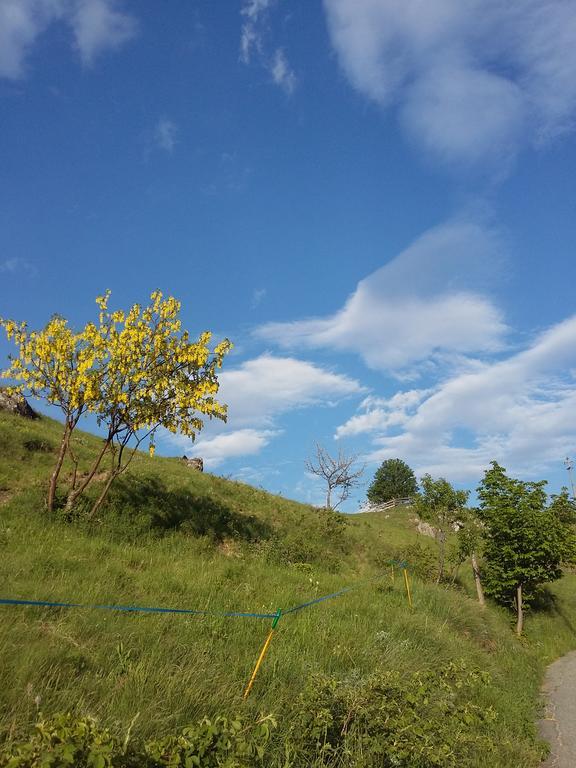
x,y
20,23
253,36
423,305
379,414
263,388
464,114
257,393
520,411
282,73
97,25
468,77
230,445
166,134
254,13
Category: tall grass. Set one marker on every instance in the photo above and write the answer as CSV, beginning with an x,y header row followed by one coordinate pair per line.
x,y
171,537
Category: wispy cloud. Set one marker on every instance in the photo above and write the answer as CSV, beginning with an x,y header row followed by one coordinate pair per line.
x,y
282,73
254,14
470,81
166,135
258,295
231,173
96,26
520,411
15,266
424,305
253,44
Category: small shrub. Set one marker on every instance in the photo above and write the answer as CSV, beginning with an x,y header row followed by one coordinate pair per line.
x,y
66,740
61,741
38,446
219,743
427,720
421,560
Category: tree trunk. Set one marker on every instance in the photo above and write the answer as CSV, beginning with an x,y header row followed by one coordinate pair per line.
x,y
476,572
73,495
58,467
104,493
441,555
520,609
329,498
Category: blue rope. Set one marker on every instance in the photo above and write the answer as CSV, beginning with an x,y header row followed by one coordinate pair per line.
x,y
333,594
317,600
239,614
134,608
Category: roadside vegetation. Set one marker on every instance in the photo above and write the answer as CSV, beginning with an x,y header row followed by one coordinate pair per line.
x,y
359,680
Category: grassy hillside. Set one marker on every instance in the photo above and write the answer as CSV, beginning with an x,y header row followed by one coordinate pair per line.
x,y
173,537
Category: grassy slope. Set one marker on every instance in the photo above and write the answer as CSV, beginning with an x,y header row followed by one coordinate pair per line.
x,y
172,537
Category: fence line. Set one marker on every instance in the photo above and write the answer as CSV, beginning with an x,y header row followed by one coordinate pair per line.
x,y
239,614
197,612
136,608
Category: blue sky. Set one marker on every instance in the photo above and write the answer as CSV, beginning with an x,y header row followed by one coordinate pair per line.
x,y
375,200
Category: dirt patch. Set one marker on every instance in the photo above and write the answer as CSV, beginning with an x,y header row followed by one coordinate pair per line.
x,y
229,548
5,496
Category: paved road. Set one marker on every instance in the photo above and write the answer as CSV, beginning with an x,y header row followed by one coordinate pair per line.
x,y
559,724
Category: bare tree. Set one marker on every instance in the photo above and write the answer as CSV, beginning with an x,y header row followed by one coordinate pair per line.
x,y
337,472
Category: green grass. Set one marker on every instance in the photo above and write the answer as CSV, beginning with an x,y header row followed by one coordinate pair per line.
x,y
173,537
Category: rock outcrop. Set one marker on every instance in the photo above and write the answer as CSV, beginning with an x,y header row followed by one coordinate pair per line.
x,y
16,404
426,529
195,463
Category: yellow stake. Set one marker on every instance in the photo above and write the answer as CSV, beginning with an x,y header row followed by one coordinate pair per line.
x,y
392,573
261,657
407,588
258,663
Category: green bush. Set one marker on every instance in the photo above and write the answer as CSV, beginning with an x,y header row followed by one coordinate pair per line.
x,y
385,720
63,740
69,741
421,561
221,743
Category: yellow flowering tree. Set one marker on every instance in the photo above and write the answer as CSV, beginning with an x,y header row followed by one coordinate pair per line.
x,y
59,366
135,370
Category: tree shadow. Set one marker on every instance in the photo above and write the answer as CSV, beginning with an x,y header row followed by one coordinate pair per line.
x,y
163,509
565,619
545,601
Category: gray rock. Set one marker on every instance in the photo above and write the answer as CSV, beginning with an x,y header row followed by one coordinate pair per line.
x,y
196,463
16,404
426,529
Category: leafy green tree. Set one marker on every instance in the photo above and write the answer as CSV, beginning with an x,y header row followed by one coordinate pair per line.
x,y
393,480
442,506
564,507
526,541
